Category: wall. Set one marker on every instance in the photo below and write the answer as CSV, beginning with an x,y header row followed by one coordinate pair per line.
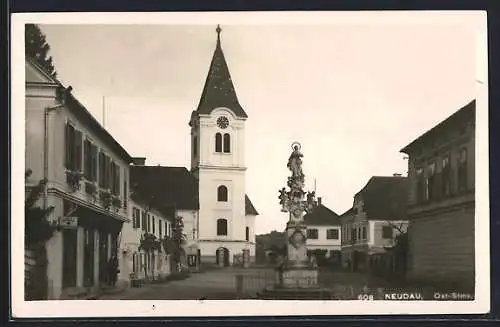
x,y
322,242
442,246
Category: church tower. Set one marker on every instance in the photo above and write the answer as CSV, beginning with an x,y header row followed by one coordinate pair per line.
x,y
218,163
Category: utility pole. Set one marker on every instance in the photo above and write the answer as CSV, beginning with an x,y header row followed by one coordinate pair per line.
x,y
103,111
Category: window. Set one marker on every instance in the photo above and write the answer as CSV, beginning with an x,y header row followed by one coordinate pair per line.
x,y
73,144
429,183
221,227
166,229
125,193
154,224
218,142
462,170
387,232
364,233
247,234
446,176
148,228
222,193
105,171
144,221
114,177
312,234
136,215
420,185
195,146
332,234
227,143
87,159
358,229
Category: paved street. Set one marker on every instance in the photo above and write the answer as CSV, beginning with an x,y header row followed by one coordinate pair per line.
x,y
221,285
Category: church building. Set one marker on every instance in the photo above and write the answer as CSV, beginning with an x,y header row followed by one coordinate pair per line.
x,y
219,218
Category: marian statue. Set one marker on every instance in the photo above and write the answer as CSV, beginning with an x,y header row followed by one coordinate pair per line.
x,y
295,163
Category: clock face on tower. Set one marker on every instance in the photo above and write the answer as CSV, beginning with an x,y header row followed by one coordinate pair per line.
x,y
222,122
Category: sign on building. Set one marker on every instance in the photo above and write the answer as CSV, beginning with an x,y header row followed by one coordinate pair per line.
x,y
70,222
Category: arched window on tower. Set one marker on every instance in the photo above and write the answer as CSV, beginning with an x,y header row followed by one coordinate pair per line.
x,y
247,234
218,142
221,227
222,193
227,143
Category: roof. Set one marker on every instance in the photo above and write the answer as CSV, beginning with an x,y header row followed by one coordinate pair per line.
x,y
167,186
81,113
385,197
322,215
219,89
461,116
249,208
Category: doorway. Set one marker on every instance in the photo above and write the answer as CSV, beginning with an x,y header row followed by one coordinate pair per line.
x,y
222,255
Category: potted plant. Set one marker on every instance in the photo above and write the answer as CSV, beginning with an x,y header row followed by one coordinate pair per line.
x,y
73,179
91,189
116,202
106,198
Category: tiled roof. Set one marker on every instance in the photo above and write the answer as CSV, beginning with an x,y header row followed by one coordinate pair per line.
x,y
385,198
249,208
321,215
219,89
463,115
167,185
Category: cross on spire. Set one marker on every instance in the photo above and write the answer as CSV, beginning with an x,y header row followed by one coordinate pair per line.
x,y
218,30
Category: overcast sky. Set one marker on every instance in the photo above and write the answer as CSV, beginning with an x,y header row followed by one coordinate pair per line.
x,y
352,94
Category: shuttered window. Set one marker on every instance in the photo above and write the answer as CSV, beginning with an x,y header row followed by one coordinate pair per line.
x,y
73,148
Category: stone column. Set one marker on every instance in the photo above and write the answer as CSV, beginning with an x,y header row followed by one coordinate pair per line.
x,y
80,249
96,258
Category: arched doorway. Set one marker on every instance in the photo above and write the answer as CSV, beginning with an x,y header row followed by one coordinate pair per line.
x,y
222,257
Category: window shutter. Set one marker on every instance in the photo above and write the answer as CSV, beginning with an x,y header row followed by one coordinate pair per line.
x,y
78,149
102,169
94,163
67,143
107,172
117,179
86,159
125,193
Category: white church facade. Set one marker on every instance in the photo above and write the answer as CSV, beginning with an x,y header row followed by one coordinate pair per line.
x,y
219,218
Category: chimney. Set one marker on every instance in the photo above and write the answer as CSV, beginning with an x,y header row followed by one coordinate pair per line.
x,y
396,175
319,200
139,161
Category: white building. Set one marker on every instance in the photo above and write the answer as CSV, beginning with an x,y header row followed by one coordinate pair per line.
x,y
87,172
146,217
219,218
323,231
377,216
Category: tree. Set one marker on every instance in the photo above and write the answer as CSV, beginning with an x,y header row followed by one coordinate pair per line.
x,y
149,243
174,244
400,248
37,48
38,230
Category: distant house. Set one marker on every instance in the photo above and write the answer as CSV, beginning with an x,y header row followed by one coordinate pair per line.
x,y
323,231
378,214
442,200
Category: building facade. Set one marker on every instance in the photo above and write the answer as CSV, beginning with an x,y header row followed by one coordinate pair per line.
x,y
371,226
323,232
137,264
87,174
441,170
226,224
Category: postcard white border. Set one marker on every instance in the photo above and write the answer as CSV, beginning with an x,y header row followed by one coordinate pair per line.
x,y
21,308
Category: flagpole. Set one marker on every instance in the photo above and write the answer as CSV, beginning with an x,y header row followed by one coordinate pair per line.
x,y
103,111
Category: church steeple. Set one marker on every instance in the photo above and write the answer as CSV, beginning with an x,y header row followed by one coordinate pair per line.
x,y
219,89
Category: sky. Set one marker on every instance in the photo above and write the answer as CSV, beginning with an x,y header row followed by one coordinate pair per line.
x,y
352,94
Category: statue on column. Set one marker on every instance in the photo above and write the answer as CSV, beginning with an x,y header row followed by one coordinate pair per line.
x,y
295,163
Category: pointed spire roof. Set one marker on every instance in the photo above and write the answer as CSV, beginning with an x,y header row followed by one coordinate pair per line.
x,y
219,89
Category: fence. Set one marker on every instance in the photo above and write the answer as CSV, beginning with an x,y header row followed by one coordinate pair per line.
x,y
248,285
